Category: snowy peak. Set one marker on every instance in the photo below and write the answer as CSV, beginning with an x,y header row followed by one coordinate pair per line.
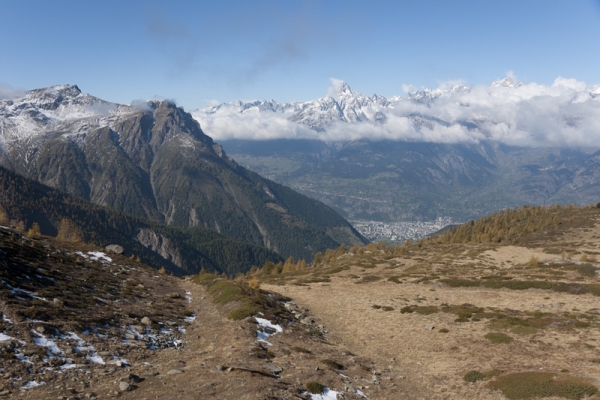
x,y
342,88
507,82
52,97
506,110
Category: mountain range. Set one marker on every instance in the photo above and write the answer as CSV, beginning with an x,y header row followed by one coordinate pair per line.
x,y
152,160
456,151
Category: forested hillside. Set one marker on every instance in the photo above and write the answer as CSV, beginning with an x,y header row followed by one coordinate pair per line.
x,y
24,202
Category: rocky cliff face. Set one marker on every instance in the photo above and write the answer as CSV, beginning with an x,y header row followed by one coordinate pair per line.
x,y
154,161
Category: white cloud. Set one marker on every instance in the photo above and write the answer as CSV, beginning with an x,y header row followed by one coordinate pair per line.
x,y
566,113
407,88
8,92
212,102
141,105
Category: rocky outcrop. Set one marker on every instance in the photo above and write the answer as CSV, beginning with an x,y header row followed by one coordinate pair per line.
x,y
161,245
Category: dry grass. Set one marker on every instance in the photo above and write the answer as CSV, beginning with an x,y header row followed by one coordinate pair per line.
x,y
499,306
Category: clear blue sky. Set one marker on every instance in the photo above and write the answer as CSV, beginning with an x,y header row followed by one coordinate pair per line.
x,y
198,51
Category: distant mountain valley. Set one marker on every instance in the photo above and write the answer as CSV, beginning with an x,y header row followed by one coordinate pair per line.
x,y
344,150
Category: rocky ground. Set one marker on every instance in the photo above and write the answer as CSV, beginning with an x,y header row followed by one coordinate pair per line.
x,y
79,322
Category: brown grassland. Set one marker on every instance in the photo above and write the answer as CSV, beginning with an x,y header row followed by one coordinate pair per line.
x,y
507,307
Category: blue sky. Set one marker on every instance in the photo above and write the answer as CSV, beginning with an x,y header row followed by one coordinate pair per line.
x,y
196,52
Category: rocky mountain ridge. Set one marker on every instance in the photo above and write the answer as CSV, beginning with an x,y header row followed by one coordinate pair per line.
x,y
152,160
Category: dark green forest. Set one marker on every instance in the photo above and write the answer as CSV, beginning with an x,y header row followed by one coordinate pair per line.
x,y
25,202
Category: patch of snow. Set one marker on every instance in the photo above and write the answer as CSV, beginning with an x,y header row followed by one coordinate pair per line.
x,y
265,323
360,393
99,256
132,331
42,341
95,358
82,345
31,385
268,324
5,338
343,376
119,362
262,337
67,366
81,254
190,319
15,290
328,394
23,358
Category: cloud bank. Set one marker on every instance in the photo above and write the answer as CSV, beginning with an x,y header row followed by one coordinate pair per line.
x,y
564,114
8,92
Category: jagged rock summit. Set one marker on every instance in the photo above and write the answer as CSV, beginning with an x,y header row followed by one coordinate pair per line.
x,y
153,160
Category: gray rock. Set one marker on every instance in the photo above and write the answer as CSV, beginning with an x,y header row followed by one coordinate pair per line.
x,y
40,329
307,321
220,368
175,371
125,387
146,321
131,378
430,327
274,368
114,248
58,302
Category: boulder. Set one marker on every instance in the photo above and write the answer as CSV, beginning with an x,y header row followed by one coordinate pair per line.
x,y
114,248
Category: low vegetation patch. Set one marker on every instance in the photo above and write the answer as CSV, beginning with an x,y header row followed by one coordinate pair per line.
x,y
423,310
513,284
225,291
454,282
333,364
298,349
315,388
498,337
525,385
587,270
473,376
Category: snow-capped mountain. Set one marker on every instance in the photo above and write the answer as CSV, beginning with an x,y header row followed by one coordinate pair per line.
x,y
341,105
507,111
153,160
54,108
